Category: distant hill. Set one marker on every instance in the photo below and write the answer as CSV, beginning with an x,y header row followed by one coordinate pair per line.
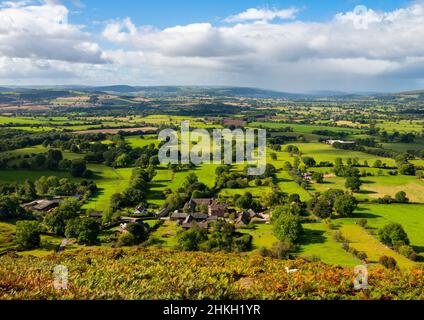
x,y
169,91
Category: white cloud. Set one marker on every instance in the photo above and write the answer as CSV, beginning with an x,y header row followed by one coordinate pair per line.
x,y
287,56
254,14
43,32
385,53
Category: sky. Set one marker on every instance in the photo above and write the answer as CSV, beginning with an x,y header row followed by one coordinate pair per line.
x,y
290,45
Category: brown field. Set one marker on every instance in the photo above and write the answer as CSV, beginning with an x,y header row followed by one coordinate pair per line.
x,y
115,131
25,107
74,99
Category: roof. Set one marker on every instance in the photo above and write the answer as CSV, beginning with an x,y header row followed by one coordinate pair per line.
x,y
96,214
200,216
41,205
219,207
179,215
204,201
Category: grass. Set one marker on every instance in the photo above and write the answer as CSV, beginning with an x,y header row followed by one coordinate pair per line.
x,y
303,128
167,234
361,240
165,179
7,232
109,181
378,186
410,216
318,241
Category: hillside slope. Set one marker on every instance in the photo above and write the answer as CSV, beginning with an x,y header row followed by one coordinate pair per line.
x,y
161,274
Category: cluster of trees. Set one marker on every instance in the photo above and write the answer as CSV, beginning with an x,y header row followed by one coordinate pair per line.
x,y
10,208
286,223
400,197
223,237
48,186
191,188
235,180
53,186
85,230
332,202
353,180
246,202
52,160
17,139
135,194
135,234
394,236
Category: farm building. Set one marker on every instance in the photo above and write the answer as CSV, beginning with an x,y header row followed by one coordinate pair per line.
x,y
41,205
218,210
333,142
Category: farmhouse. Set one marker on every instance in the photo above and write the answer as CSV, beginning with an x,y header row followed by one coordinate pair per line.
x,y
140,210
193,219
333,142
243,219
41,205
218,210
178,216
129,220
198,203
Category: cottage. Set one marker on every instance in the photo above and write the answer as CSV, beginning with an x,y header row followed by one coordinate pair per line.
x,y
198,203
178,216
243,219
41,205
129,220
140,210
218,210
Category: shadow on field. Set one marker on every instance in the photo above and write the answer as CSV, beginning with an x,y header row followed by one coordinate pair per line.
x,y
365,214
312,236
366,192
419,250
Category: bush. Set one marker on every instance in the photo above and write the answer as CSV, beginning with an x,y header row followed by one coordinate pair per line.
x,y
27,235
190,240
287,227
362,256
388,262
363,223
312,258
126,239
243,244
408,252
393,234
338,236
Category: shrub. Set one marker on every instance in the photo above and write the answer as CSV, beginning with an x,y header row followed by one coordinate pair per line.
x,y
408,252
287,227
338,236
388,262
363,223
27,235
393,234
362,256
